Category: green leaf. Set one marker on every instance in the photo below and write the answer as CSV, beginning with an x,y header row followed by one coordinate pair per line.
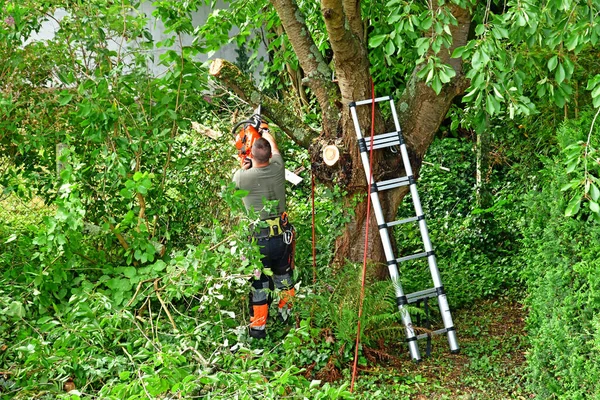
x,y
573,206
458,52
571,185
552,63
159,266
596,92
390,48
594,206
15,309
65,98
572,165
376,41
572,41
594,192
126,193
11,238
137,176
593,82
560,74
489,105
436,85
129,272
500,32
426,23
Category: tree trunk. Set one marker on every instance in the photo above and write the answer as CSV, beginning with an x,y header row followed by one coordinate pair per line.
x,y
420,111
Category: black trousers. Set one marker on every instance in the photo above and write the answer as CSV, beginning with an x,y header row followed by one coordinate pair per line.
x,y
277,256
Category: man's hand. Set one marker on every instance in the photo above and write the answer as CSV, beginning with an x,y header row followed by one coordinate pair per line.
x,y
247,164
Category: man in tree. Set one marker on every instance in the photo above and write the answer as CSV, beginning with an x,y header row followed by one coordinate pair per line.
x,y
264,179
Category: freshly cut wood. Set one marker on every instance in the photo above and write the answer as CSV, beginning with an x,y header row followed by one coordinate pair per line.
x,y
331,154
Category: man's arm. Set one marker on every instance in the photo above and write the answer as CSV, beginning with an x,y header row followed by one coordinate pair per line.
x,y
274,149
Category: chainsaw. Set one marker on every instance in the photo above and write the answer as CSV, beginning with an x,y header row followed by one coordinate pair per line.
x,y
251,129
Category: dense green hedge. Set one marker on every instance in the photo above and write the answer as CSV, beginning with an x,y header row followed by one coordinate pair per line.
x,y
561,263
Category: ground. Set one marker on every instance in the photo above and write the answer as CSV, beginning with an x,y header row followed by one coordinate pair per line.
x,y
490,365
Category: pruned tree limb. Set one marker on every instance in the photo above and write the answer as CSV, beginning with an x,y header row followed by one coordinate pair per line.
x,y
241,85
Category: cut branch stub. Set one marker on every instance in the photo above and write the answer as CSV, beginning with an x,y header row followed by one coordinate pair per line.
x,y
331,154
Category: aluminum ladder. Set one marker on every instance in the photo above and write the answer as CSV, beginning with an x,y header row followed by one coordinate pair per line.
x,y
388,140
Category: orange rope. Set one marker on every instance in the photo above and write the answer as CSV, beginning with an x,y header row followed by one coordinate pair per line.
x,y
364,269
314,246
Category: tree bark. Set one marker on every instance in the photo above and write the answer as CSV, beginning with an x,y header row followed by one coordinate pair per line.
x,y
317,72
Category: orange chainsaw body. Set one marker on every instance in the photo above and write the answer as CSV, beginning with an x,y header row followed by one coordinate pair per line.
x,y
246,138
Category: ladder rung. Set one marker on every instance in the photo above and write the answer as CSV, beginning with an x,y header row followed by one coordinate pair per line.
x,y
423,294
402,221
438,332
392,183
369,101
411,257
383,140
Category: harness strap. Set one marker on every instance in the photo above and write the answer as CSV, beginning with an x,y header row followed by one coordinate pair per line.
x,y
276,227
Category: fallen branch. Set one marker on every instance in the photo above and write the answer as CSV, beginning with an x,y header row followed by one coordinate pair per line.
x,y
139,286
200,358
164,306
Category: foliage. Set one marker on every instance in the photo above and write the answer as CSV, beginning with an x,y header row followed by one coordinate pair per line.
x,y
124,333
527,36
124,263
561,274
582,163
473,247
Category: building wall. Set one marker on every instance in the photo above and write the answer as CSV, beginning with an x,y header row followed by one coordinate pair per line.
x,y
157,29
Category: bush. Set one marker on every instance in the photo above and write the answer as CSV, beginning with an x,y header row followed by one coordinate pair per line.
x,y
560,259
474,247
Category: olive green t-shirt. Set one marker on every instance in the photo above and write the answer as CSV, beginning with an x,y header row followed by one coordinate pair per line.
x,y
263,183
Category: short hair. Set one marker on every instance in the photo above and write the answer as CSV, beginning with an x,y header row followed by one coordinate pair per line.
x,y
261,150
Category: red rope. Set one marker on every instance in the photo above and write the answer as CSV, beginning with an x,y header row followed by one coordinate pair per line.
x,y
314,246
364,268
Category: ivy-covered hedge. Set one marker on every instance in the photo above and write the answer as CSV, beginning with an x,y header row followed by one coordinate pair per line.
x,y
561,264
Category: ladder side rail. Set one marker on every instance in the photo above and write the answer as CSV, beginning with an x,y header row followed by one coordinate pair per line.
x,y
435,274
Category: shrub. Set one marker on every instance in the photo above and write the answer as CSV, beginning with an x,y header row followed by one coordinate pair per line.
x,y
560,259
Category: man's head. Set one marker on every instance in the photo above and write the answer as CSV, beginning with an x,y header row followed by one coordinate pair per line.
x,y
261,150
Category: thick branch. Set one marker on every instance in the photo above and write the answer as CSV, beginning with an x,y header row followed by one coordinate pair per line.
x,y
276,112
352,10
316,70
351,61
